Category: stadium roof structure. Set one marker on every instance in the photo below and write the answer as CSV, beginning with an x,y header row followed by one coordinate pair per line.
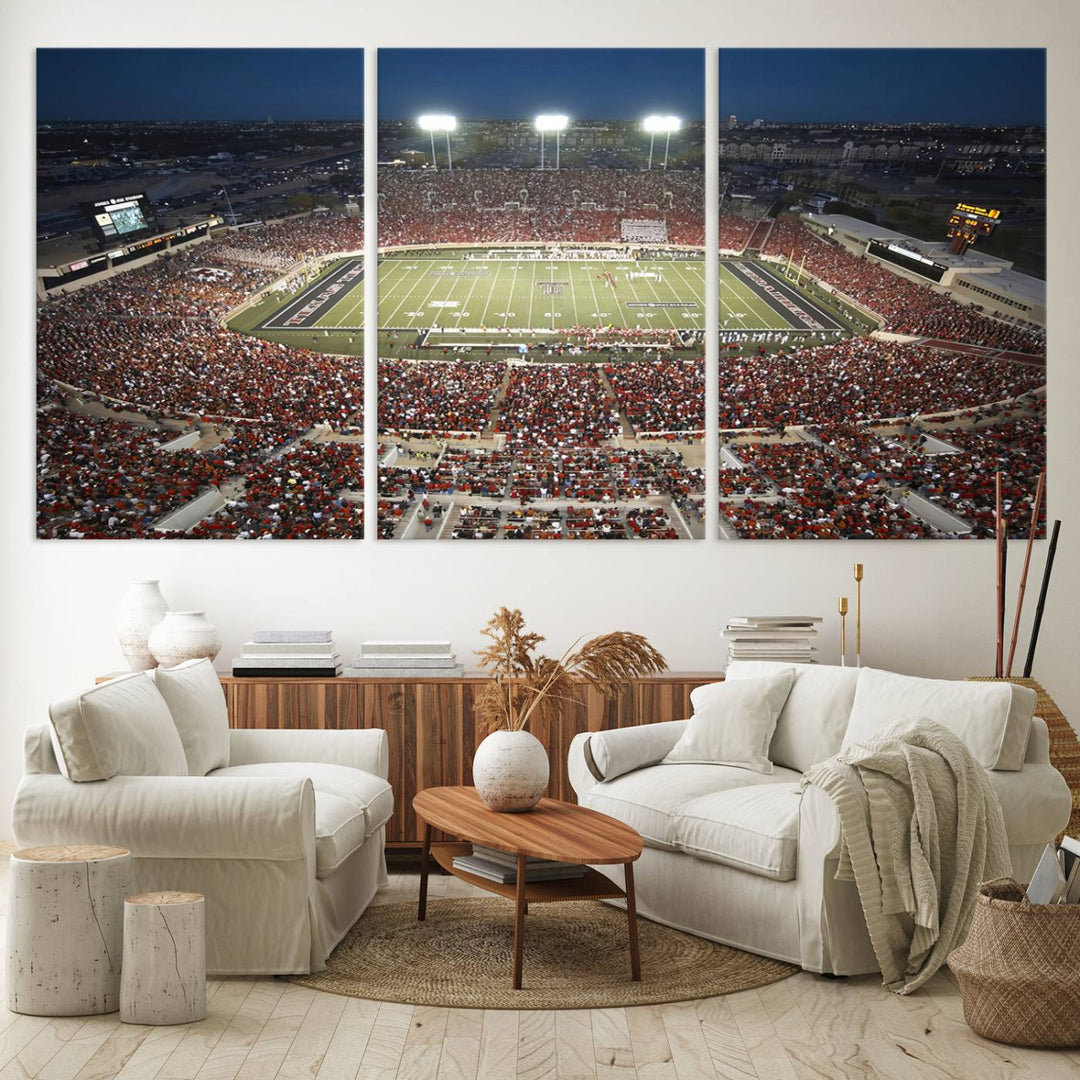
x,y
973,267
856,228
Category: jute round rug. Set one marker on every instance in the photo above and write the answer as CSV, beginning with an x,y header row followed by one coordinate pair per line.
x,y
576,957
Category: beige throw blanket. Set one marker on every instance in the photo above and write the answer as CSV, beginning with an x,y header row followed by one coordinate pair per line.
x,y
921,829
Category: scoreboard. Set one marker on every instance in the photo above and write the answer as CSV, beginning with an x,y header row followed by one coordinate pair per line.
x,y
967,223
120,218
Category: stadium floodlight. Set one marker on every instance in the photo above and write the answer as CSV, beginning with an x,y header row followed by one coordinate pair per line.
x,y
432,122
660,125
551,122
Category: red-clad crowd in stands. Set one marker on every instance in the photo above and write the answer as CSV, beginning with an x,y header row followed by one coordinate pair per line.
x,y
907,307
469,206
437,396
860,379
666,396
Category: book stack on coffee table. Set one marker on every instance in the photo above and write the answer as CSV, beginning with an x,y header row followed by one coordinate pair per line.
x,y
290,654
501,866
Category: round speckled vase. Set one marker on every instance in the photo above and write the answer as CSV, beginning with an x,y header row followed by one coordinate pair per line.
x,y
184,635
510,771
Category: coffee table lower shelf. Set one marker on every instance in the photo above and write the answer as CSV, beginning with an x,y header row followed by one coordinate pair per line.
x,y
591,886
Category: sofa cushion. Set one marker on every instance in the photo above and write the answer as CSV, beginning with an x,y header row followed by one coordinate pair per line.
x,y
811,725
751,828
193,693
119,728
733,722
654,800
340,828
366,792
992,719
611,753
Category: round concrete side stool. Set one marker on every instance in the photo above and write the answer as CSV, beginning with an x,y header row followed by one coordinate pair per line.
x,y
65,928
164,980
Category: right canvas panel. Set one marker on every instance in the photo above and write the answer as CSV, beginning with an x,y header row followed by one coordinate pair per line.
x,y
882,292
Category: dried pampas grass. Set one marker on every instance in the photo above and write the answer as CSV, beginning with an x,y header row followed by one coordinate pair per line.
x,y
526,685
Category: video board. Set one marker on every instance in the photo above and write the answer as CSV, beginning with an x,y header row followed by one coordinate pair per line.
x,y
120,217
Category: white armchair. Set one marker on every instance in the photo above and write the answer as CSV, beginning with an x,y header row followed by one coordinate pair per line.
x,y
286,841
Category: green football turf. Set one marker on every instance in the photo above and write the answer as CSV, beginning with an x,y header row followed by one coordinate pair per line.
x,y
467,300
498,294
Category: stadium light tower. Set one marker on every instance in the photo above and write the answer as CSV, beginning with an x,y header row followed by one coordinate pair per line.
x,y
657,125
551,122
432,122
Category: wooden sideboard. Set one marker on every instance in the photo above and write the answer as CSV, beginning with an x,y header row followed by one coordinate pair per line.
x,y
431,726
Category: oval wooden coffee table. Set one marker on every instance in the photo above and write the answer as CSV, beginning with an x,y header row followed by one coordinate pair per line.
x,y
553,830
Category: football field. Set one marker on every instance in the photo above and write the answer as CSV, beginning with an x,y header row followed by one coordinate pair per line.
x,y
757,297
540,294
460,300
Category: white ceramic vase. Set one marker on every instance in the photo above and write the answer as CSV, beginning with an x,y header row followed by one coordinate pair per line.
x,y
184,635
510,771
142,609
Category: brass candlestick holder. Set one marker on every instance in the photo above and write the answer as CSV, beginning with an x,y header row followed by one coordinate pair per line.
x,y
858,613
842,608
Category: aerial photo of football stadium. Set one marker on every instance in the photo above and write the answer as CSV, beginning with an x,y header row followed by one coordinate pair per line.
x,y
541,294
887,209
179,221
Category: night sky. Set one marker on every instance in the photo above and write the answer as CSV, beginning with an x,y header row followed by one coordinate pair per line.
x,y
517,84
200,84
976,86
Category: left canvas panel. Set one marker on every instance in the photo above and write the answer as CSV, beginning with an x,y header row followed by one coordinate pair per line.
x,y
199,282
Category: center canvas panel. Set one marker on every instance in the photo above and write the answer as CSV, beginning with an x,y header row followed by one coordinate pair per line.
x,y
541,294
200,293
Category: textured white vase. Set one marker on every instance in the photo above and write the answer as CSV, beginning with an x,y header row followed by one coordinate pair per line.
x,y
184,635
510,771
142,609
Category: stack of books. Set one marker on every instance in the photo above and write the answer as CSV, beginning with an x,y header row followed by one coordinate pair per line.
x,y
1057,877
787,639
289,654
405,660
501,866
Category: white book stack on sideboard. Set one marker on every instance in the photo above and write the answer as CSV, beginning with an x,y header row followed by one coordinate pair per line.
x,y
787,639
289,654
405,660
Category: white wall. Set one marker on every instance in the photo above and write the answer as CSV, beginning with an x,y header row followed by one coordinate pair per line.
x,y
928,605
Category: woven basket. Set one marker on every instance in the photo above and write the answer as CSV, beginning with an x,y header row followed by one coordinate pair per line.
x,y
1019,969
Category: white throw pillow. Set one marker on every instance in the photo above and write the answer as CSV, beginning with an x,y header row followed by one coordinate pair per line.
x,y
812,723
733,722
121,728
993,720
193,693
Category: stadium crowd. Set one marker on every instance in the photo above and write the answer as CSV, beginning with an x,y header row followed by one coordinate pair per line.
x,y
437,397
906,307
469,206
564,405
664,396
860,379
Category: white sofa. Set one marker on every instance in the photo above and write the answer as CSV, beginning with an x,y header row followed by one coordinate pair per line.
x,y
745,858
282,831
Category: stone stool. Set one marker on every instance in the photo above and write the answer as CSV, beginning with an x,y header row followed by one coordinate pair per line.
x,y
164,980
65,928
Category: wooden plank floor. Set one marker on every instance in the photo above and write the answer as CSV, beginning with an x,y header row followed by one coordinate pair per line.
x,y
804,1028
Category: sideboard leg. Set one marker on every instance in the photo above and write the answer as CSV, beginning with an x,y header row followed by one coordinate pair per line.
x,y
425,857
